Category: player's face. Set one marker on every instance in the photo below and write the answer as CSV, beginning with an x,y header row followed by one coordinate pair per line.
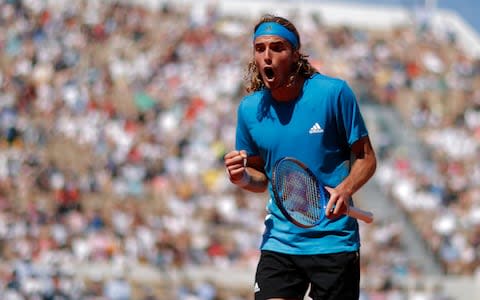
x,y
274,59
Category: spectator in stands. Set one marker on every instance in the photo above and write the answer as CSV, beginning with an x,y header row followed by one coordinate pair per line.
x,y
97,104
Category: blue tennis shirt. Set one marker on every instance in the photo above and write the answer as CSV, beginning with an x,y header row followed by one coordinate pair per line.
x,y
317,128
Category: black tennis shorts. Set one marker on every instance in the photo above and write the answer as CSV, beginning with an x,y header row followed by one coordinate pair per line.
x,y
330,276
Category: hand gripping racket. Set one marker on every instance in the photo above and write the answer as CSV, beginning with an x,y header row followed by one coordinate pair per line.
x,y
300,196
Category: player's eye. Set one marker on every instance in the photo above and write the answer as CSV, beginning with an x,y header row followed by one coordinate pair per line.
x,y
259,48
278,47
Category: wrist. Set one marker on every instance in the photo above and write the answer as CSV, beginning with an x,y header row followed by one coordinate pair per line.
x,y
243,181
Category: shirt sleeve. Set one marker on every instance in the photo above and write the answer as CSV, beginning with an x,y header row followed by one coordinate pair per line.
x,y
244,140
351,121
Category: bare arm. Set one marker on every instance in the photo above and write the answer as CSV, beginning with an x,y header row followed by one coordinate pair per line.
x,y
247,173
363,168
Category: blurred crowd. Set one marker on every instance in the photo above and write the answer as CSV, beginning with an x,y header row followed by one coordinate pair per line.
x,y
114,120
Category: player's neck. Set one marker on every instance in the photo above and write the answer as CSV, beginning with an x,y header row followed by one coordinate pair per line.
x,y
290,91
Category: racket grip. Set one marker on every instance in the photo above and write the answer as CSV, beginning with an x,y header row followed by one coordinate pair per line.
x,y
360,214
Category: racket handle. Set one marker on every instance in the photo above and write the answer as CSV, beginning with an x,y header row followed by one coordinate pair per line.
x,y
360,214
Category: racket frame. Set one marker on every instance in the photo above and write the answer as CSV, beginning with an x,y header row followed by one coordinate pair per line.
x,y
321,191
352,211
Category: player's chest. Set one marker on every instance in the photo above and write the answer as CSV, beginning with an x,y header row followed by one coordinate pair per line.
x,y
296,125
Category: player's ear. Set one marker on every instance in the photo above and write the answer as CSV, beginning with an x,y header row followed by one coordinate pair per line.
x,y
296,55
295,59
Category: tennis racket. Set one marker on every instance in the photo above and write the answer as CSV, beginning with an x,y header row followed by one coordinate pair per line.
x,y
300,196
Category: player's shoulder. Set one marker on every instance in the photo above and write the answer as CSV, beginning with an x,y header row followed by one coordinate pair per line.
x,y
253,98
324,81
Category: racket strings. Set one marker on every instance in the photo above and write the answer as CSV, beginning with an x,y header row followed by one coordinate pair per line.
x,y
299,194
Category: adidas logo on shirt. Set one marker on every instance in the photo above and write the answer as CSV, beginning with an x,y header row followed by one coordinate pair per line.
x,y
315,129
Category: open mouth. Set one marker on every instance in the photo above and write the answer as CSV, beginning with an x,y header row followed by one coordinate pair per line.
x,y
269,72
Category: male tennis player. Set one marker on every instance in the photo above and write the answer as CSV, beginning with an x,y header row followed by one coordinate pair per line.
x,y
293,110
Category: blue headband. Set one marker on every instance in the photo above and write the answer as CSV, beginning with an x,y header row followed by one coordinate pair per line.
x,y
273,28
